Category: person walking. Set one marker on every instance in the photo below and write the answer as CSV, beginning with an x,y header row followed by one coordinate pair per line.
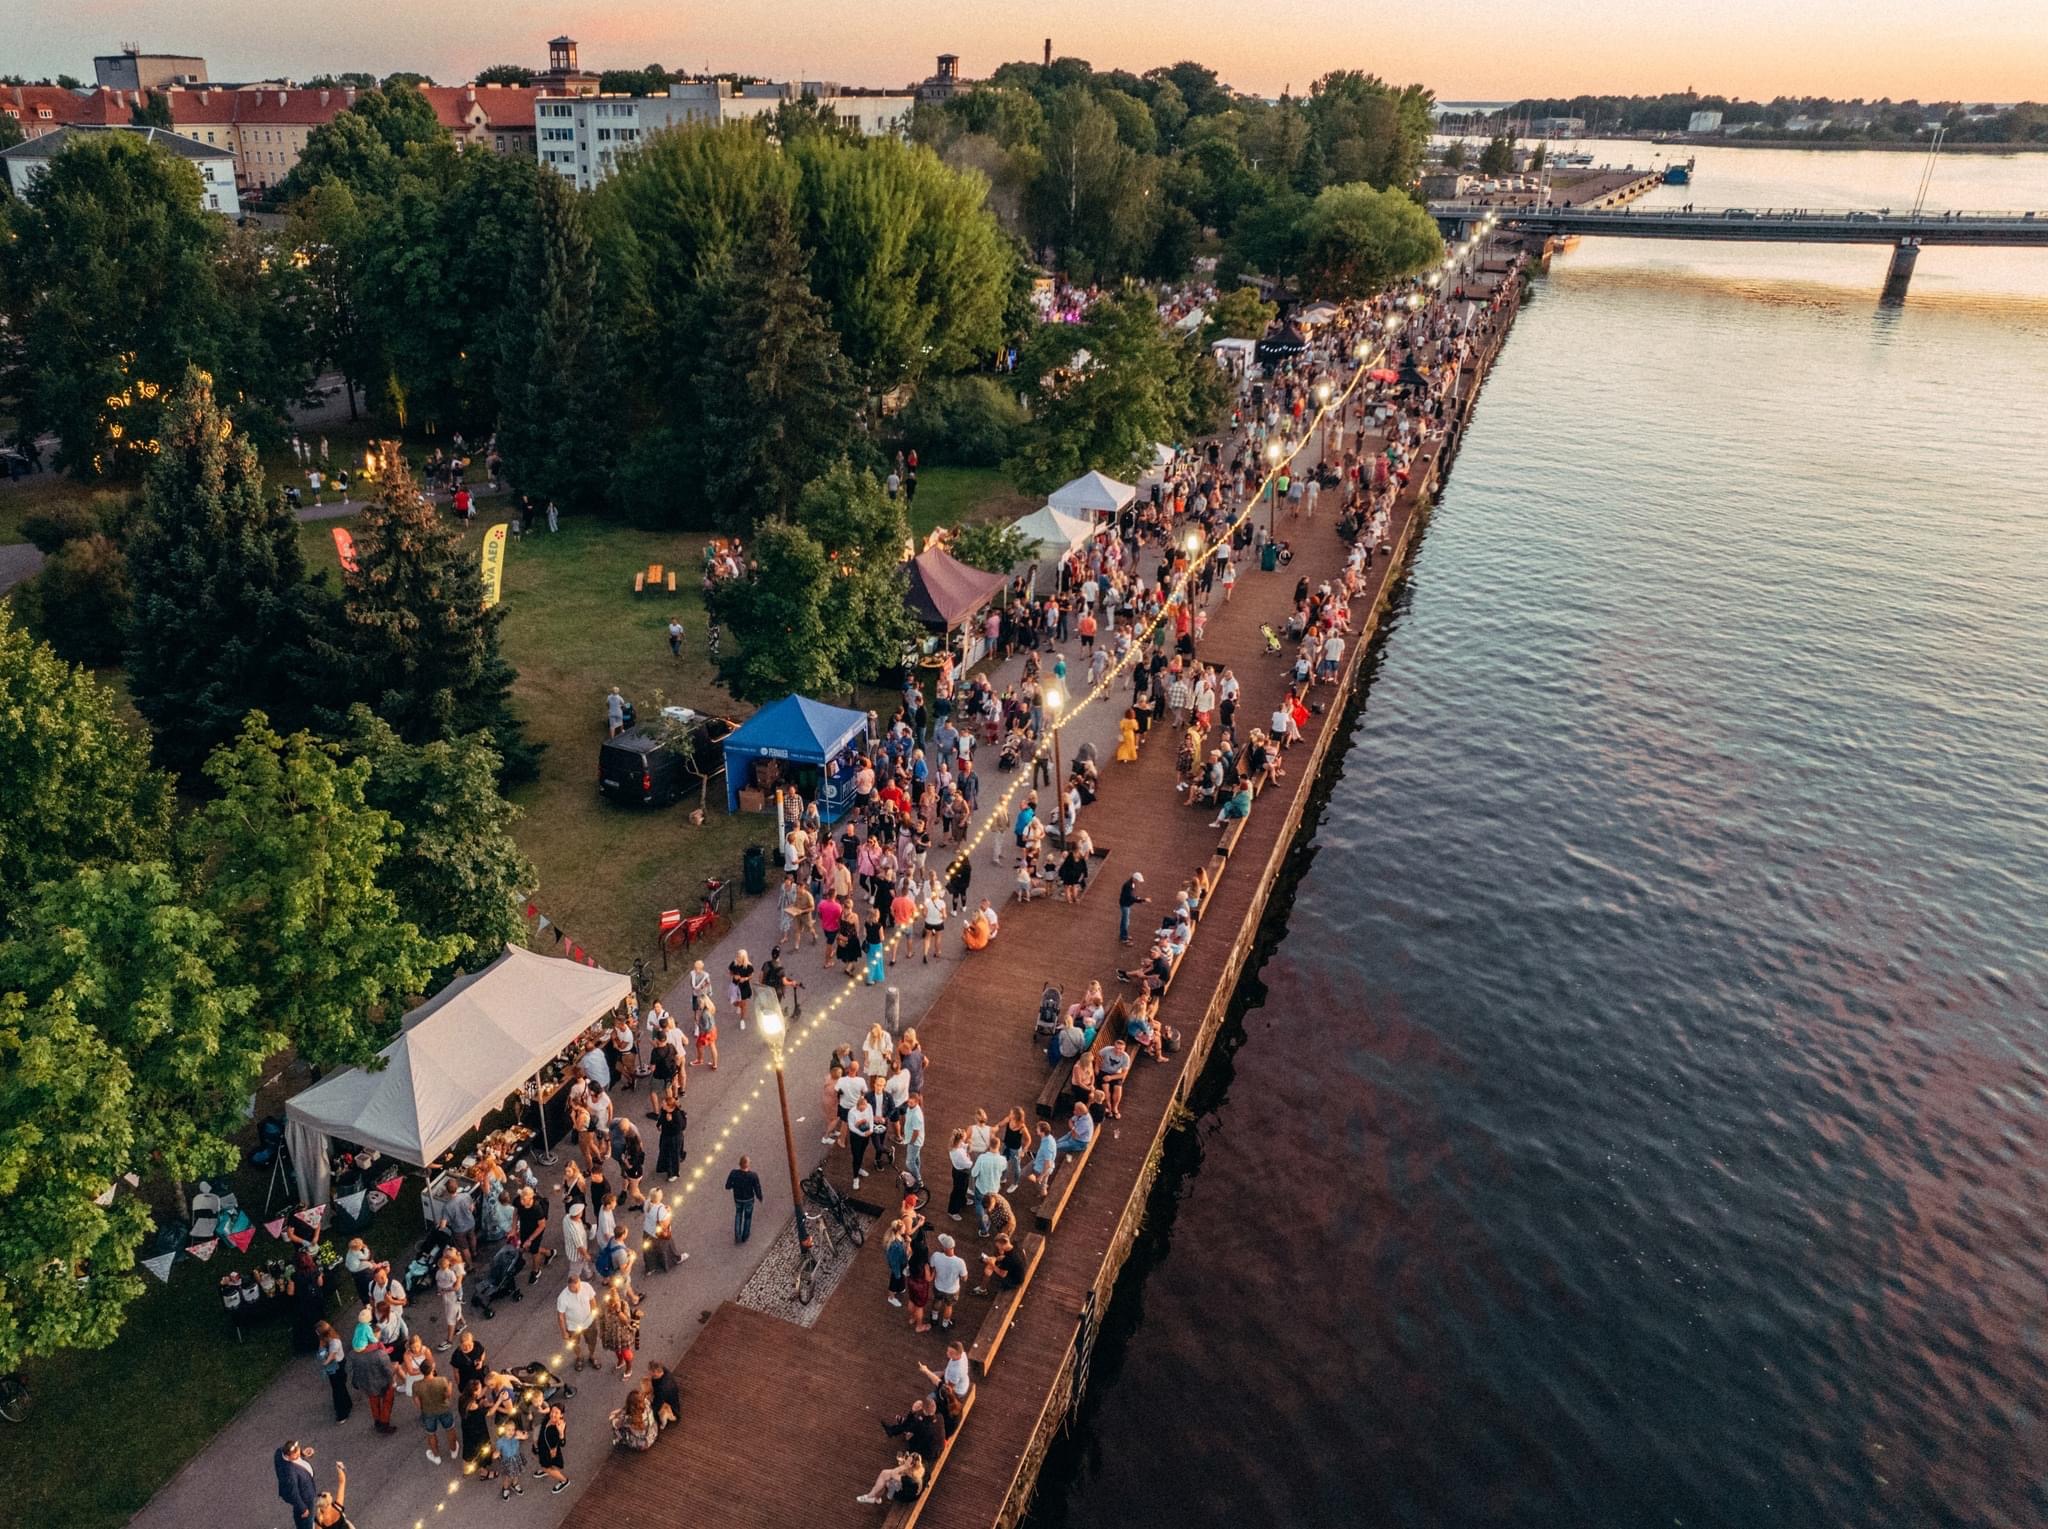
x,y
548,1448
576,1314
333,1361
671,1121
1126,899
434,1395
675,648
745,1187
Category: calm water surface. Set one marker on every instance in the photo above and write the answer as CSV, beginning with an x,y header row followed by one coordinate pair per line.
x,y
1640,1121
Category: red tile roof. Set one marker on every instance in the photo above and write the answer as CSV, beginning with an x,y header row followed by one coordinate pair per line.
x,y
65,108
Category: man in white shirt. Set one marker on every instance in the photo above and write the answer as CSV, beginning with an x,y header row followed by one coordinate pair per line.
x,y
913,1131
576,1311
958,1377
949,1269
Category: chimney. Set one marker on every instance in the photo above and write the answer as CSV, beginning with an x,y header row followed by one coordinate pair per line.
x,y
1048,53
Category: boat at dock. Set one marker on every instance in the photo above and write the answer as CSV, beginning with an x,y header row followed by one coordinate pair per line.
x,y
1676,174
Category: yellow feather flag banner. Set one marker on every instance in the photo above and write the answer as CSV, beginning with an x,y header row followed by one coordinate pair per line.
x,y
345,548
494,564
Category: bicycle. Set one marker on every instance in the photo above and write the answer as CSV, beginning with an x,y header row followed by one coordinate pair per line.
x,y
811,1260
14,1398
819,1191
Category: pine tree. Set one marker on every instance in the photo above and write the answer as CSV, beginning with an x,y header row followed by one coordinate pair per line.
x,y
557,399
224,613
421,648
776,394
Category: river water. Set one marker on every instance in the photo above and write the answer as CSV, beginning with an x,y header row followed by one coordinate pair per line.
x,y
1639,1118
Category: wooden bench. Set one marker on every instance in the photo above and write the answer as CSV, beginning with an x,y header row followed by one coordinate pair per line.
x,y
1051,1095
903,1514
1050,1211
640,583
1003,1306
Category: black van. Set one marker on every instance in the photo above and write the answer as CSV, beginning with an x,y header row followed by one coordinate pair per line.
x,y
640,771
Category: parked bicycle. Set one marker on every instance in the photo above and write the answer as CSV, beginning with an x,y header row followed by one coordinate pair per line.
x,y
14,1398
819,1191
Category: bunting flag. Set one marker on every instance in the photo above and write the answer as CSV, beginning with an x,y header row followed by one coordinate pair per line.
x,y
204,1250
388,1188
105,1197
313,1215
131,1180
531,911
545,925
243,1238
275,1228
160,1266
352,1205
493,567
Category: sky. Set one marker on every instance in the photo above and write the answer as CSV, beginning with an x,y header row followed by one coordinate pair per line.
x,y
1974,50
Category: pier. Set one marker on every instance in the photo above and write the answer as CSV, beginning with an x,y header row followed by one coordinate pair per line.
x,y
780,1422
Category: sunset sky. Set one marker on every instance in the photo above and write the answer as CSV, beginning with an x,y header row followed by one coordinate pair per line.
x,y
1978,50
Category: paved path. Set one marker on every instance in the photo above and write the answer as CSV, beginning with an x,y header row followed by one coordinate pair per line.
x,y
18,561
229,1485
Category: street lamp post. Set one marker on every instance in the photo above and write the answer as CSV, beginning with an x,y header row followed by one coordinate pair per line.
x,y
768,1017
1053,701
1323,408
1273,491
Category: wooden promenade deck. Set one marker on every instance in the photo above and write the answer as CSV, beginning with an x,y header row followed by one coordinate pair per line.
x,y
781,1424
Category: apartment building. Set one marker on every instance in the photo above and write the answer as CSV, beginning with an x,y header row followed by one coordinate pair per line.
x,y
583,137
216,166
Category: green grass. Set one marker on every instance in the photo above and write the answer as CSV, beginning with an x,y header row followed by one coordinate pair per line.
x,y
948,495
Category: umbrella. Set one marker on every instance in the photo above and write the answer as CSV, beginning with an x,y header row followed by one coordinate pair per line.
x,y
1384,374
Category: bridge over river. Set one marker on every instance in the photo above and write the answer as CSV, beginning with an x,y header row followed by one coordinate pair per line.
x,y
1905,233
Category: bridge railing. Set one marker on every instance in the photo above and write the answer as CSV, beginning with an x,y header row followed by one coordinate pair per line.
x,y
1687,215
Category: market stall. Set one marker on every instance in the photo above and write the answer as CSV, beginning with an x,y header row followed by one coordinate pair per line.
x,y
1051,535
1092,493
459,1056
948,598
794,742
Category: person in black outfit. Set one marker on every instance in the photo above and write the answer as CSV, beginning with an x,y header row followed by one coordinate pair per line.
x,y
309,1301
533,1227
745,1187
919,1429
664,1395
547,1449
671,1121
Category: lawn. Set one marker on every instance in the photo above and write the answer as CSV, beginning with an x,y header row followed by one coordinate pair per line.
x,y
948,495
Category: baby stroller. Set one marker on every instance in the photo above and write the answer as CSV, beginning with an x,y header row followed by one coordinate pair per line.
x,y
419,1273
500,1279
540,1387
1048,1022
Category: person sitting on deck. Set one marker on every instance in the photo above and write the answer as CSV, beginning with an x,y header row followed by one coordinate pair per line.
x,y
1238,805
902,1482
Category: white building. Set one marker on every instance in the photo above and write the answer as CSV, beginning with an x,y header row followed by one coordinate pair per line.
x,y
582,138
216,165
1704,122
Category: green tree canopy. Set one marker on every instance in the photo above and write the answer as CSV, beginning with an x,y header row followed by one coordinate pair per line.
x,y
419,644
79,603
224,613
822,609
289,854
367,146
505,74
1355,240
111,274
1093,203
76,787
1498,157
456,872
995,546
1240,314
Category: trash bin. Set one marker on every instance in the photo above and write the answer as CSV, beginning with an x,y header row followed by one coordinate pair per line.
x,y
1269,557
754,870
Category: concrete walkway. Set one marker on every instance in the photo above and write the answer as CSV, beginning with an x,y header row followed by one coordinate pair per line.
x,y
18,561
230,1484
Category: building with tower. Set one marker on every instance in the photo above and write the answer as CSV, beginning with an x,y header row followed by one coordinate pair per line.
x,y
563,75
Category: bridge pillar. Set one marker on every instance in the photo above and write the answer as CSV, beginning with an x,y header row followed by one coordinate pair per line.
x,y
1904,257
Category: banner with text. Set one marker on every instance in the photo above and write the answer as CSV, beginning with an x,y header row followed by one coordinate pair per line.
x,y
494,564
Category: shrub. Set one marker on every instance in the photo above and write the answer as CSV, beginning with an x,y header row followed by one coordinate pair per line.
x,y
79,603
962,421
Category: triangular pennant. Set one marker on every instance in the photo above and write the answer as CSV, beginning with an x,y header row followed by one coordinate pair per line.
x,y
352,1205
243,1238
105,1197
204,1250
388,1188
275,1228
313,1215
160,1266
531,910
545,925
132,1180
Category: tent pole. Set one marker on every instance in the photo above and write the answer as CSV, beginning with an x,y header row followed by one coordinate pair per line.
x,y
540,1108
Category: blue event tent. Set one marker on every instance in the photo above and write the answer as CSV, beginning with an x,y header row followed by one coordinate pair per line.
x,y
803,733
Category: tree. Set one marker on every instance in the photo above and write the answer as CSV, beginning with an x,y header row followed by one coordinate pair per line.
x,y
1368,130
288,856
822,609
124,947
651,81
153,110
994,546
66,1263
1537,157
1454,154
111,276
456,872
367,146
557,420
505,74
1106,411
1092,205
777,395
1356,239
79,603
224,612
76,787
327,232
419,644
10,131
967,421
1498,157
1240,314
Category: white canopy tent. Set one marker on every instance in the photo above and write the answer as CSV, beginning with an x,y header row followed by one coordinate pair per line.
x,y
1092,493
458,1057
1235,356
1052,534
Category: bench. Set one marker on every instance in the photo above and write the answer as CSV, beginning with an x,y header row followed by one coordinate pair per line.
x,y
902,1515
1050,1211
1054,1092
640,583
1003,1306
